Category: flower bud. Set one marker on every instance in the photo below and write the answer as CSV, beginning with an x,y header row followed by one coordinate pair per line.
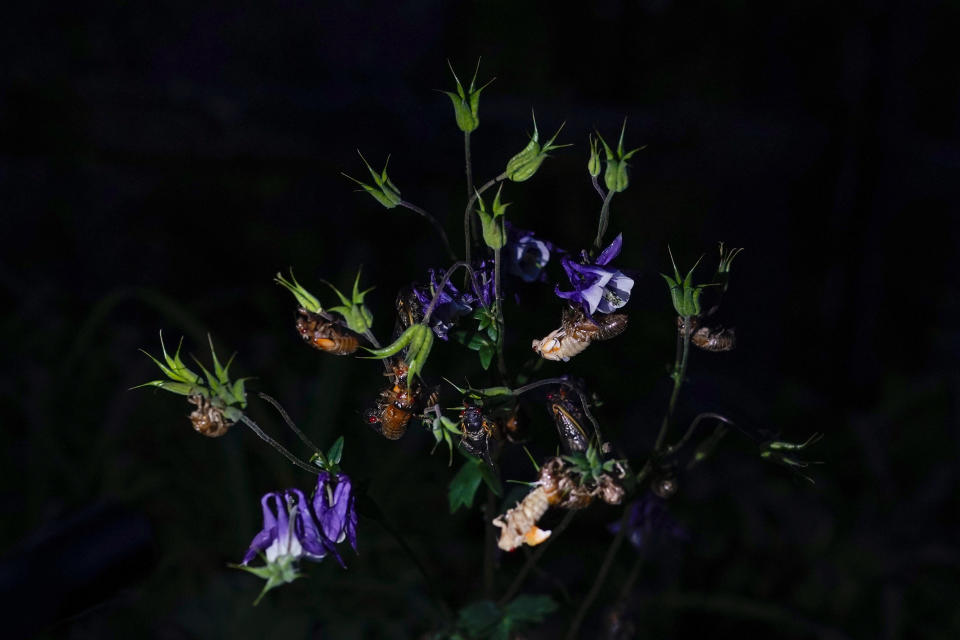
x,y
616,176
523,165
466,103
383,190
494,234
685,294
357,315
593,164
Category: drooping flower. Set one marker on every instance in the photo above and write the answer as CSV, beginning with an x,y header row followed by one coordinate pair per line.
x,y
597,287
452,304
289,529
335,507
485,283
526,255
289,533
650,523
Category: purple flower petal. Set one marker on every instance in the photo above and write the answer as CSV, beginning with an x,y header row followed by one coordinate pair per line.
x,y
269,532
306,529
611,251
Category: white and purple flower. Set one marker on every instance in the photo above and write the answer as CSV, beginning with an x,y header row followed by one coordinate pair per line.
x,y
597,287
526,255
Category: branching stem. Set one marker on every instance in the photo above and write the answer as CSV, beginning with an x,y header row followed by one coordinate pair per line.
x,y
679,372
276,445
290,423
436,225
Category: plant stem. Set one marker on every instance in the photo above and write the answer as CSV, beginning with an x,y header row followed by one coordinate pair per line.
x,y
501,365
628,583
474,225
534,557
436,225
290,423
443,283
693,427
604,220
276,445
679,372
601,577
467,221
596,185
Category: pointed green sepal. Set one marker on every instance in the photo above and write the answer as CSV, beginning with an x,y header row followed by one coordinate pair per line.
x,y
523,165
278,573
616,176
383,190
306,299
466,103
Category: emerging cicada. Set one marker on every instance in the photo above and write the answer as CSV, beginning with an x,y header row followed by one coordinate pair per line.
x,y
326,334
576,332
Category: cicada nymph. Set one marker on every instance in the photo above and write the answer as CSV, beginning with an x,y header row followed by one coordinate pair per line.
x,y
559,485
208,419
709,338
326,334
576,332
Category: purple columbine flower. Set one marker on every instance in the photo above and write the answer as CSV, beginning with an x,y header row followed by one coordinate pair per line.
x,y
289,530
485,283
526,255
650,523
335,507
596,287
451,305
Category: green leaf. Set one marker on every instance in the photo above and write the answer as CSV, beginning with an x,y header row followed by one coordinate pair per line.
x,y
527,608
465,484
491,480
479,619
486,356
336,451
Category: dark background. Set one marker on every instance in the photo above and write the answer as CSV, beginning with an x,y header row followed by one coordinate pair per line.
x,y
160,162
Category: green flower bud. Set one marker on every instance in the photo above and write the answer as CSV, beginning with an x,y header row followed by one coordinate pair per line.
x,y
593,164
723,269
383,190
685,294
523,165
466,103
494,234
306,299
357,315
616,176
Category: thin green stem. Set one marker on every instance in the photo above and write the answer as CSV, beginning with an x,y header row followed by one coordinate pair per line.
x,y
276,445
534,557
679,373
601,577
604,220
693,427
443,283
501,365
474,223
436,225
290,423
469,209
596,185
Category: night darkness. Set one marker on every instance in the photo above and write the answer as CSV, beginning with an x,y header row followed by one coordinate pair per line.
x,y
159,162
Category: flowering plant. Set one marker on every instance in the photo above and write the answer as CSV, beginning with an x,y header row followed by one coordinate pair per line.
x,y
485,424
